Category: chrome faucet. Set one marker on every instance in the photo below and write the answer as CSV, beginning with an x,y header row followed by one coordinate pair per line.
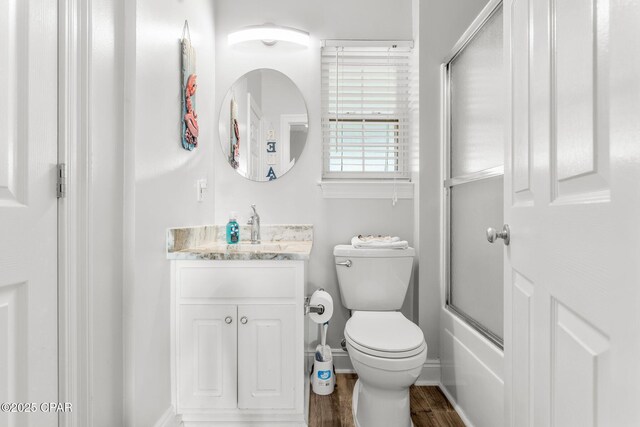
x,y
254,222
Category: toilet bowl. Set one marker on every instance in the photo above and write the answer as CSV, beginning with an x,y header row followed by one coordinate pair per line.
x,y
387,352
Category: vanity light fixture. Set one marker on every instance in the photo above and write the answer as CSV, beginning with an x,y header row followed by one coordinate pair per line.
x,y
269,34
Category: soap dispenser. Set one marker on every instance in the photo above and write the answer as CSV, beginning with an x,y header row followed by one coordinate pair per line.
x,y
233,229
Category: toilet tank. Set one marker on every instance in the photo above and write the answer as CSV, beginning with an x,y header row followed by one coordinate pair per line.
x,y
377,279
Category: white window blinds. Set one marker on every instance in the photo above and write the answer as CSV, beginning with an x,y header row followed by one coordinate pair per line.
x,y
365,110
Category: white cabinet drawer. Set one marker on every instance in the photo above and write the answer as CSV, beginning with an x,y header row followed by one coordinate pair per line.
x,y
226,280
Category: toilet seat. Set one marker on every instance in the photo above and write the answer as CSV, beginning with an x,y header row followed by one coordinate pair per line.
x,y
384,334
387,354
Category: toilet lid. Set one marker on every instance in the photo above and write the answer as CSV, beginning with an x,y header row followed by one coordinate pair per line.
x,y
383,331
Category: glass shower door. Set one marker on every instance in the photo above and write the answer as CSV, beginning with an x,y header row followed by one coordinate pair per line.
x,y
474,179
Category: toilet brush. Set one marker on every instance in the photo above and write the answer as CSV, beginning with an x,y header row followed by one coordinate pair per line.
x,y
323,337
323,380
325,350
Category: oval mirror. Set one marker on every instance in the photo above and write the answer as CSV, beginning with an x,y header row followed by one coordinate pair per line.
x,y
263,125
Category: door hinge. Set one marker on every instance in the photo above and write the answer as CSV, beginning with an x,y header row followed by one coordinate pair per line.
x,y
61,181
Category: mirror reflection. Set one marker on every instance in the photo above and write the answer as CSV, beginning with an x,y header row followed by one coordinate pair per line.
x,y
263,125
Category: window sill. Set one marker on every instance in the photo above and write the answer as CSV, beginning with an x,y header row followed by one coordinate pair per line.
x,y
366,189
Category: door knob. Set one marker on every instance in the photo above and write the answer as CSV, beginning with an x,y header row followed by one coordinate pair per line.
x,y
228,320
244,320
505,234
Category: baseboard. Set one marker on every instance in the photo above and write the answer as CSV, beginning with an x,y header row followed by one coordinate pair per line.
x,y
341,360
455,405
168,419
430,374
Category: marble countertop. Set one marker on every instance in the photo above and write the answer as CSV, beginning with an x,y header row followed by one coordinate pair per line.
x,y
208,242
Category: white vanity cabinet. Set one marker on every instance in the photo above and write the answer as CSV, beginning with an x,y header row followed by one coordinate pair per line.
x,y
237,342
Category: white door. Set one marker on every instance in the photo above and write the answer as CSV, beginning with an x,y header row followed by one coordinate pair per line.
x,y
266,350
207,345
572,200
28,209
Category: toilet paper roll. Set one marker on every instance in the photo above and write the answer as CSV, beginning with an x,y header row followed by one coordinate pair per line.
x,y
321,298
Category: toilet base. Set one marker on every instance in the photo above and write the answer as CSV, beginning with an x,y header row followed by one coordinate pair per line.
x,y
354,409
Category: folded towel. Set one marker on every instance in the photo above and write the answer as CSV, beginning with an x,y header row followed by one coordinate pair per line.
x,y
378,238
378,242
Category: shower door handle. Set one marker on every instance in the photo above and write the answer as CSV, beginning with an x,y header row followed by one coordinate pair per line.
x,y
505,234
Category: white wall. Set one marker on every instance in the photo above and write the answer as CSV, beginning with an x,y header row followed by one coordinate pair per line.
x,y
160,183
472,369
295,197
105,324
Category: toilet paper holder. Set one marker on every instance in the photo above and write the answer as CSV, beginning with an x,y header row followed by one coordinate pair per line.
x,y
308,308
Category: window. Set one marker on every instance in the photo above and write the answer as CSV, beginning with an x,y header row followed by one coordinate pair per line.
x,y
366,110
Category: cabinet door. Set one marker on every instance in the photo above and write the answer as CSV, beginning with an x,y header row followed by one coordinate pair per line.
x,y
207,356
266,351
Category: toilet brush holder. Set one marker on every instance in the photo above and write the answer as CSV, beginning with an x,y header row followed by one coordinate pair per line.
x,y
323,377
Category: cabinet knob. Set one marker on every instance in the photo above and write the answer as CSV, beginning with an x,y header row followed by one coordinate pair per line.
x,y
228,320
244,320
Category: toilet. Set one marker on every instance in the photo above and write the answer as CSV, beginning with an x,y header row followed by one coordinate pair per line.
x,y
387,350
